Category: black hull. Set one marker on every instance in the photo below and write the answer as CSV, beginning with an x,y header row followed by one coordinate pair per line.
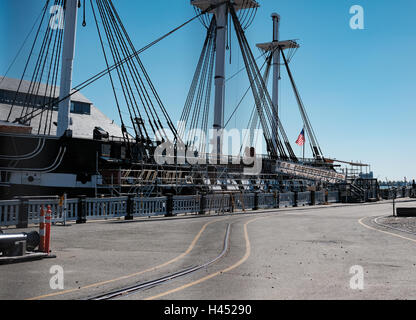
x,y
16,191
48,154
37,166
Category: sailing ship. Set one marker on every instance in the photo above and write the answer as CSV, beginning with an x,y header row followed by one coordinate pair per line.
x,y
53,140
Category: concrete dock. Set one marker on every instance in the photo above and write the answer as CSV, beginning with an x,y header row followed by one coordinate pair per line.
x,y
296,253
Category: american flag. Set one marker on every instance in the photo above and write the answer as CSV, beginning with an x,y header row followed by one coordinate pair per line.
x,y
301,140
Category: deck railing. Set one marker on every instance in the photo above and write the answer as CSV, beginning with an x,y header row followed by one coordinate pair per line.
x,y
303,199
333,196
149,207
9,213
22,212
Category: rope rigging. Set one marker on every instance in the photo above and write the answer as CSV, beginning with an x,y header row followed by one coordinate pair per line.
x,y
148,117
255,118
246,92
199,96
26,118
41,92
116,50
247,15
84,22
292,52
123,126
23,44
313,141
28,60
277,142
269,119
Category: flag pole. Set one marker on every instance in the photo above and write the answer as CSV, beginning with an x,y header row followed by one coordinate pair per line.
x,y
304,144
303,153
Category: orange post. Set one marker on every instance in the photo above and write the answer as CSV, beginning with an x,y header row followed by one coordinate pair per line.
x,y
42,230
48,230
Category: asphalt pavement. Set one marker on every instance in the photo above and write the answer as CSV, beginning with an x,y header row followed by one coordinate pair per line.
x,y
326,252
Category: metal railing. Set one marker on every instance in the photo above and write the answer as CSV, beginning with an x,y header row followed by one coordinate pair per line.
x,y
149,207
34,208
399,192
9,212
286,200
244,201
267,200
333,197
106,208
304,199
186,204
26,211
216,203
320,197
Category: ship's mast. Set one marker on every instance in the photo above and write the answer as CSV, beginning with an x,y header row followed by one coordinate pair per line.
x,y
276,63
276,46
67,66
221,18
221,15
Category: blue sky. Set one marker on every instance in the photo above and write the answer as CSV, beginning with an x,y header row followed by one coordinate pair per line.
x,y
357,85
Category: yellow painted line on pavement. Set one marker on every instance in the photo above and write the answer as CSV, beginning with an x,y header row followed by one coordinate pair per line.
x,y
382,231
237,264
244,259
190,248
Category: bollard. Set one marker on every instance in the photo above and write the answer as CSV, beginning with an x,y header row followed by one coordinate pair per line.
x,y
42,230
48,230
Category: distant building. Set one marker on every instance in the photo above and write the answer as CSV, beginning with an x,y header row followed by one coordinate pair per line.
x,y
367,175
84,115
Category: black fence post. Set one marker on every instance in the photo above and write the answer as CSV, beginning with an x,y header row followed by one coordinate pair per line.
x,y
256,201
313,198
296,199
82,210
23,218
202,204
130,207
232,203
276,199
169,205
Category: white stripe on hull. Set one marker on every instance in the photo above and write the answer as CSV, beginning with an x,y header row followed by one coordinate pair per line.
x,y
57,180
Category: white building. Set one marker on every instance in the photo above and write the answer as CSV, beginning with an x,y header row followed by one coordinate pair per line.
x,y
84,115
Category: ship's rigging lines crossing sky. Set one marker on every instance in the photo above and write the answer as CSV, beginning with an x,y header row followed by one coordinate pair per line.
x,y
147,114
